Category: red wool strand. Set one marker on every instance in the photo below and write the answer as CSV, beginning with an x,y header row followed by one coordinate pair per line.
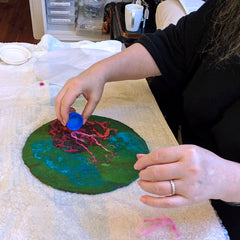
x,y
92,133
162,222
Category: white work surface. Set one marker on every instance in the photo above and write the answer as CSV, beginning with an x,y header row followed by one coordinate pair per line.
x,y
31,210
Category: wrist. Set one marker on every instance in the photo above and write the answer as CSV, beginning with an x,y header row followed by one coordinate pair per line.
x,y
99,71
231,178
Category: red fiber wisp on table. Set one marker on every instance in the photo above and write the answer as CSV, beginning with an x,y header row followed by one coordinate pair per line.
x,y
92,133
158,223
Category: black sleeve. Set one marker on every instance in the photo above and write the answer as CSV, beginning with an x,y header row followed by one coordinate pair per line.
x,y
227,133
175,48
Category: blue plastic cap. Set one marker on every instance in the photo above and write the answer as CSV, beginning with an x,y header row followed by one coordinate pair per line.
x,y
75,121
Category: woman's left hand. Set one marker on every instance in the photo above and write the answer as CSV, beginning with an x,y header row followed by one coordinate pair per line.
x,y
197,175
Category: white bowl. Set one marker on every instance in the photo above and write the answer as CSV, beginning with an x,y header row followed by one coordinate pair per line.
x,y
14,54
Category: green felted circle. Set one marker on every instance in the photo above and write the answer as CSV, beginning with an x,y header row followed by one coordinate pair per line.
x,y
78,172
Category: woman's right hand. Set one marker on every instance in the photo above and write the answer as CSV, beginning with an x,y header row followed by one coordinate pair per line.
x,y
87,83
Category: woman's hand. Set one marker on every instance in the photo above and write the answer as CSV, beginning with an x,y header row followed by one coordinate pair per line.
x,y
87,83
198,175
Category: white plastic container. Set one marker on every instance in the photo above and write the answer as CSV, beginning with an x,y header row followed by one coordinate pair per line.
x,y
56,17
61,20
60,3
58,11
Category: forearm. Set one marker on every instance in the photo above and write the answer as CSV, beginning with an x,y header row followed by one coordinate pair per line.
x,y
135,62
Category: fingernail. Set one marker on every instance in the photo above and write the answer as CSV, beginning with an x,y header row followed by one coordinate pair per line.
x,y
63,123
140,155
135,166
143,199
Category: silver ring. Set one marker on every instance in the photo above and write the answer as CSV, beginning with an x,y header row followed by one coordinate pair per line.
x,y
173,187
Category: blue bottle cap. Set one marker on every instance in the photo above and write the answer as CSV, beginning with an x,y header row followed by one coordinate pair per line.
x,y
75,121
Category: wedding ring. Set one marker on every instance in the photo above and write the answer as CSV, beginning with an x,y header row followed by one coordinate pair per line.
x,y
173,188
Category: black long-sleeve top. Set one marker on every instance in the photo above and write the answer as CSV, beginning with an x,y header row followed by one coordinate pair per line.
x,y
209,95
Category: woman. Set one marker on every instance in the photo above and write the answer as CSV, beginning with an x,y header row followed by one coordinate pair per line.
x,y
199,60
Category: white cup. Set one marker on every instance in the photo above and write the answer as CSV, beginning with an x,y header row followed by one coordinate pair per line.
x,y
133,16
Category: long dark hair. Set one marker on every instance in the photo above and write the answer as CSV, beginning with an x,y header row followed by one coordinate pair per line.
x,y
225,39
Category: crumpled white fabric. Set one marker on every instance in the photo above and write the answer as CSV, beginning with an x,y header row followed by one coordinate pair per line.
x,y
31,210
57,69
50,43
